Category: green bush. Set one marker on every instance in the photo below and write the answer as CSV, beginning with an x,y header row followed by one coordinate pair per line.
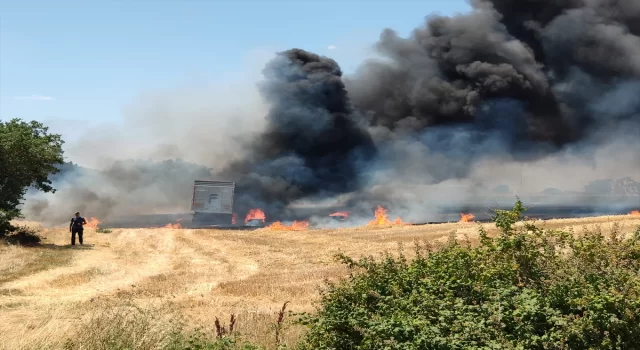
x,y
22,235
527,288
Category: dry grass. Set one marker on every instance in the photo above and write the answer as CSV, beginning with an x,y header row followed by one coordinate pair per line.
x,y
47,292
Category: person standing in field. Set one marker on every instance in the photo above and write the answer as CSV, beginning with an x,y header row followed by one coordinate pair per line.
x,y
76,227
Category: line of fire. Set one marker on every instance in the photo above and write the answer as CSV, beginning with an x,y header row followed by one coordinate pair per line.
x,y
212,206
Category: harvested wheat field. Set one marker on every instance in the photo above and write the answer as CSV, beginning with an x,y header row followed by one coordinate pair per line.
x,y
57,292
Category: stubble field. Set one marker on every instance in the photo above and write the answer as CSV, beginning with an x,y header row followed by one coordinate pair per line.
x,y
55,294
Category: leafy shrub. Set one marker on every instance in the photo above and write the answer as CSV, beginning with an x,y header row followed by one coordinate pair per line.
x,y
22,235
28,155
527,288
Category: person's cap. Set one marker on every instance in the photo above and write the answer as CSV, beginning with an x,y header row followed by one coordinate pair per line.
x,y
77,212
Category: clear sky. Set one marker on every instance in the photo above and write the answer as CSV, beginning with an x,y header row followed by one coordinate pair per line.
x,y
76,61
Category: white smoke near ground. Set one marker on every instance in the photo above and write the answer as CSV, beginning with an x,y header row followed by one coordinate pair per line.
x,y
168,138
496,182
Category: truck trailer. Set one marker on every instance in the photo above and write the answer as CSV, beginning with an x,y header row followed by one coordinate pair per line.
x,y
212,203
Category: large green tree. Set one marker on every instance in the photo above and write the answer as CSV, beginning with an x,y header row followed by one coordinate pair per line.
x,y
28,155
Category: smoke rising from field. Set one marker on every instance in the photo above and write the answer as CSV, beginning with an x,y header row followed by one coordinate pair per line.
x,y
312,144
513,96
147,164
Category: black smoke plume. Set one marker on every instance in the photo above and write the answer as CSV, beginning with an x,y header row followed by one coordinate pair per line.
x,y
457,108
517,80
311,146
552,57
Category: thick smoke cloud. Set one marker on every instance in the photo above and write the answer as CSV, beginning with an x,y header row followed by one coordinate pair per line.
x,y
510,82
512,97
312,144
520,51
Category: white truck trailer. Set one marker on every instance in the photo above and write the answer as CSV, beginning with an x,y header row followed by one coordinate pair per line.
x,y
212,203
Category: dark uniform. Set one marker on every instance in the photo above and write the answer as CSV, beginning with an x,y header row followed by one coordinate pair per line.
x,y
76,227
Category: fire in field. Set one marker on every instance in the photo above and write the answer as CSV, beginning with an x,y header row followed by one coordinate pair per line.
x,y
464,113
466,217
536,99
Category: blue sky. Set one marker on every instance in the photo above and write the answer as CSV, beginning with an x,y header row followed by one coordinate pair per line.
x,y
75,62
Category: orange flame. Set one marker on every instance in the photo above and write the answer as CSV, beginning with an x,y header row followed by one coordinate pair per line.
x,y
344,215
234,218
92,223
399,221
382,220
295,226
466,217
635,212
381,217
255,214
175,226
